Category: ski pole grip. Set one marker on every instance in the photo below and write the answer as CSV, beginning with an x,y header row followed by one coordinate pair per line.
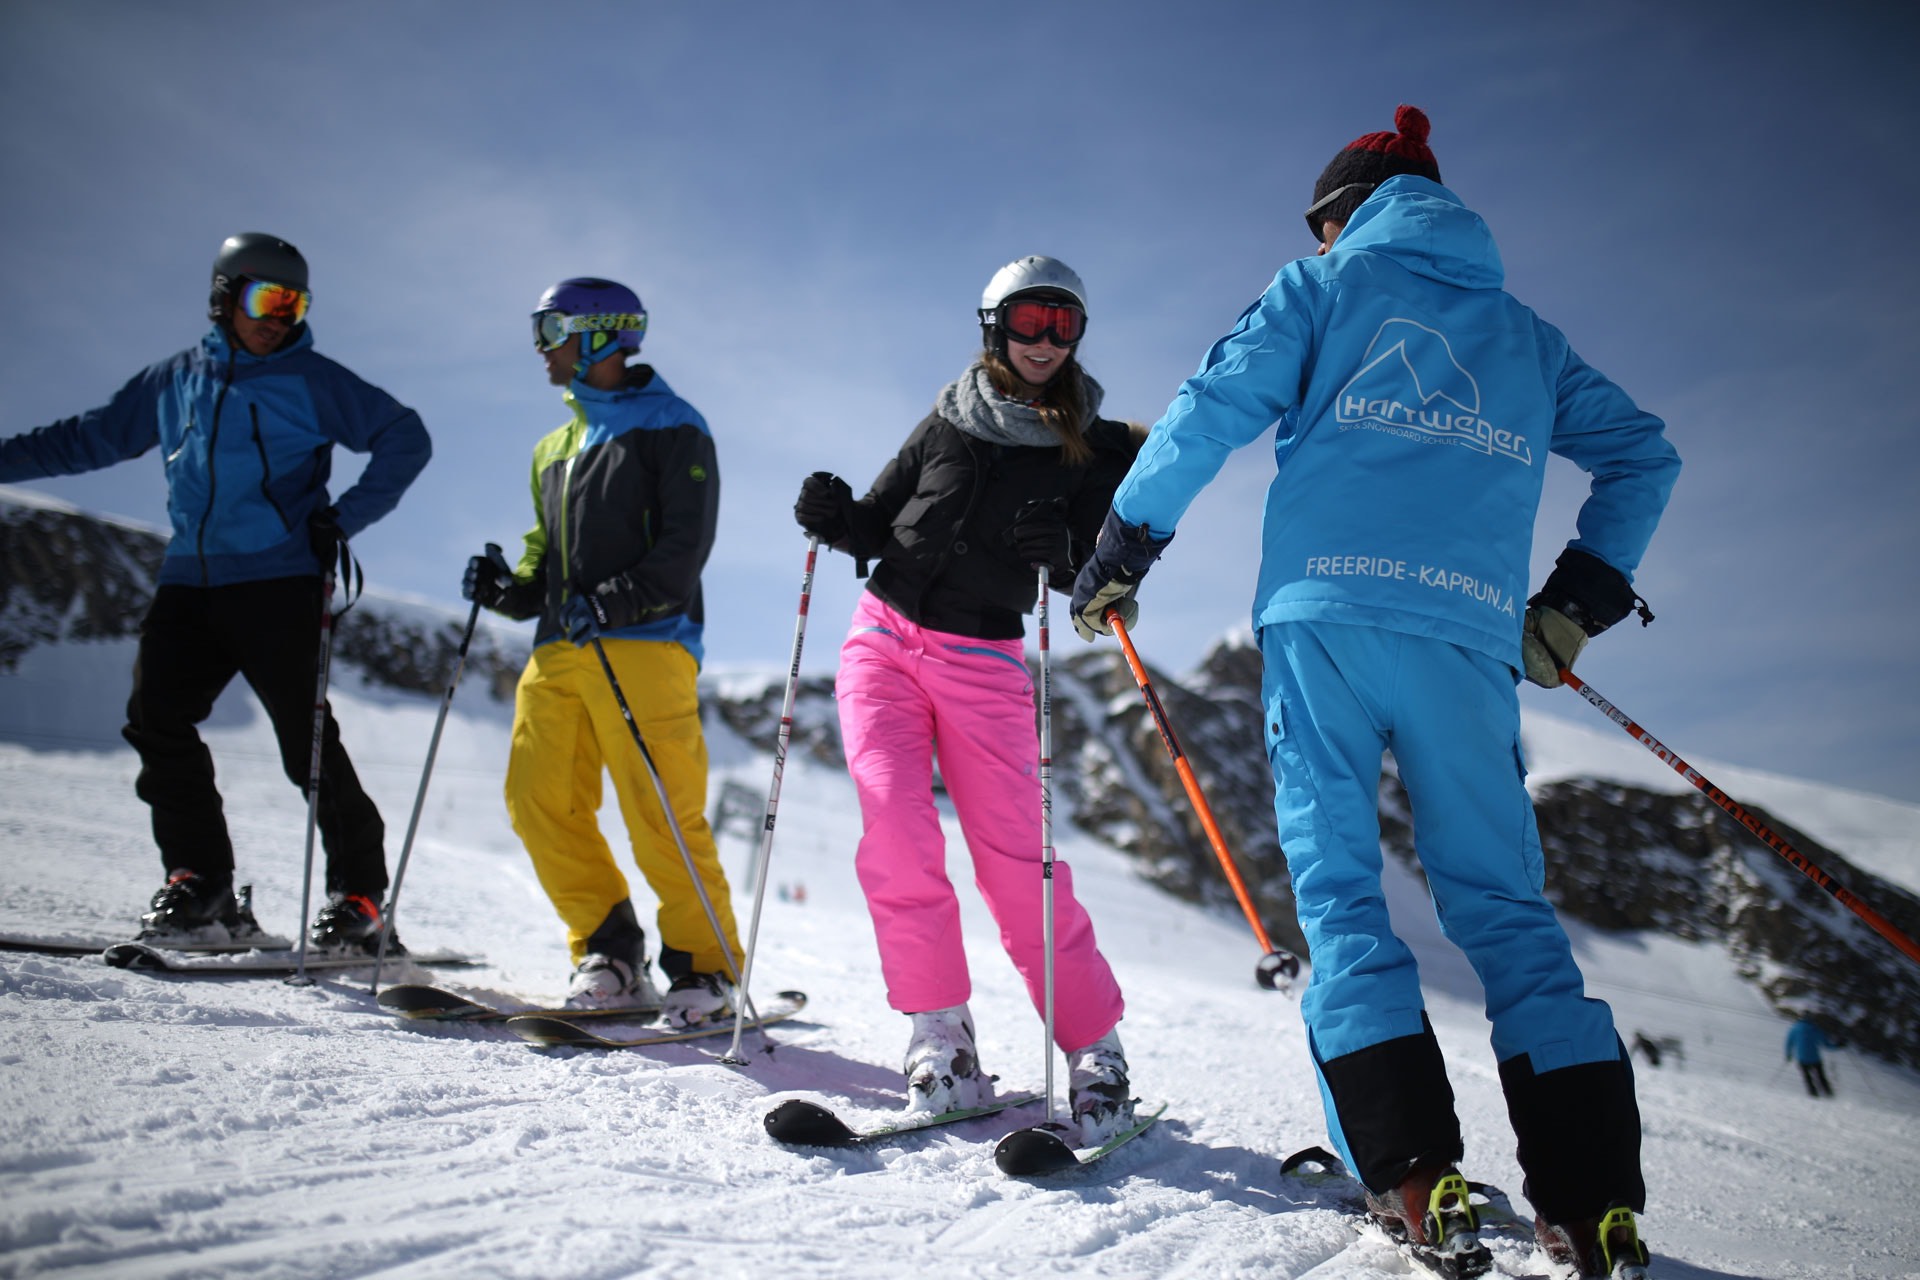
x,y
498,559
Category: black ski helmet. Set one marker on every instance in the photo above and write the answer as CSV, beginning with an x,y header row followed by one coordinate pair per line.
x,y
252,255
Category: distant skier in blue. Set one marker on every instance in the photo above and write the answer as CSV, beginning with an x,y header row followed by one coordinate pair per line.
x,y
1805,1040
1416,404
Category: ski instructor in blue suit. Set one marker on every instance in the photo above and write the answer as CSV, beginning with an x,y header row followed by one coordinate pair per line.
x,y
246,424
1416,403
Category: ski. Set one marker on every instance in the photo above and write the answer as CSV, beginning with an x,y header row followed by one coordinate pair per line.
x,y
800,1123
1041,1151
418,1002
548,1031
157,959
82,945
1318,1168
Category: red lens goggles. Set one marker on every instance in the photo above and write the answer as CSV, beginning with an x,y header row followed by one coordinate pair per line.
x,y
1029,320
262,301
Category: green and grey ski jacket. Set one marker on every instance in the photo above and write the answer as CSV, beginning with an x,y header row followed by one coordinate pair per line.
x,y
627,496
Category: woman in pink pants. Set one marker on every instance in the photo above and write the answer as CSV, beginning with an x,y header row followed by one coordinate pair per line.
x,y
1013,469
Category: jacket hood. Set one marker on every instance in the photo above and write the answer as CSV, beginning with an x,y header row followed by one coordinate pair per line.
x,y
1423,227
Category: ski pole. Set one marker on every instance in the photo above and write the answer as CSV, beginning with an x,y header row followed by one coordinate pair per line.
x,y
673,824
1046,822
498,558
354,582
1766,836
782,738
1277,968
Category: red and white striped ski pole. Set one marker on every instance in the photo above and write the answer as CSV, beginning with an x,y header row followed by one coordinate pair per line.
x,y
1766,835
1277,968
1046,824
732,1056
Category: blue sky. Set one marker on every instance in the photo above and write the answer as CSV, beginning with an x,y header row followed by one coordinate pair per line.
x,y
1713,200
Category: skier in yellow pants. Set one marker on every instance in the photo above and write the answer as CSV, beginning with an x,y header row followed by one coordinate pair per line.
x,y
627,494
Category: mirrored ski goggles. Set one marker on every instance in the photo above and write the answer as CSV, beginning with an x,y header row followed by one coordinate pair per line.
x,y
551,329
263,301
1314,218
1029,320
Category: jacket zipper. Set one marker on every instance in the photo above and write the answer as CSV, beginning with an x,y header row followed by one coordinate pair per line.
x,y
266,468
213,439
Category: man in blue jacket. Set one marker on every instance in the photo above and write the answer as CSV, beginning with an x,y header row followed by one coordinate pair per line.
x,y
1805,1040
1416,404
246,423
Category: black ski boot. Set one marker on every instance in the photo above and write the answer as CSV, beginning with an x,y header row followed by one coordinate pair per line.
x,y
191,908
350,922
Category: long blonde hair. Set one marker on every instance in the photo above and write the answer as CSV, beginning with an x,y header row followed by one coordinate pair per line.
x,y
1062,403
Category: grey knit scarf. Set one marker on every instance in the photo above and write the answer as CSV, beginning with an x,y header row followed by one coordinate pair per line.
x,y
972,405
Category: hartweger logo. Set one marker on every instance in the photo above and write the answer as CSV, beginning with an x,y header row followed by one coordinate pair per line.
x,y
1410,385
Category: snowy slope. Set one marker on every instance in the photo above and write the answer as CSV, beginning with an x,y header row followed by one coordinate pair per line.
x,y
161,1127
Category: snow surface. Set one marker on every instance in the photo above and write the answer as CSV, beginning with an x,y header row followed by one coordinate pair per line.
x,y
157,1126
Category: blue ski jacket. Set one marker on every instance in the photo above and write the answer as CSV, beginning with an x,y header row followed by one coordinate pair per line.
x,y
1416,403
247,443
1805,1041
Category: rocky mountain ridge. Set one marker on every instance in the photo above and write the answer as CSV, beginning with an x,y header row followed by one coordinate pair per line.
x,y
1618,857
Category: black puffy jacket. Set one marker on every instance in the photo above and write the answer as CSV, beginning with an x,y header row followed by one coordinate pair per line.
x,y
937,518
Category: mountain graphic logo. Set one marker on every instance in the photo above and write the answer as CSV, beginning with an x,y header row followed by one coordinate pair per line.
x,y
1410,385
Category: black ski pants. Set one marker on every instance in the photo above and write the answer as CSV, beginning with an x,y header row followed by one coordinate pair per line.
x,y
193,642
1815,1075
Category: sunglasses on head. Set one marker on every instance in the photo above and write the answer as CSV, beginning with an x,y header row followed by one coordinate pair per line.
x,y
551,329
1328,200
261,300
1031,319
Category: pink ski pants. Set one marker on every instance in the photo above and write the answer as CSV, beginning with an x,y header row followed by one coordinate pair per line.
x,y
907,693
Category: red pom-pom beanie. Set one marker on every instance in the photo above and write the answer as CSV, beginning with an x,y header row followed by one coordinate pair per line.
x,y
1370,160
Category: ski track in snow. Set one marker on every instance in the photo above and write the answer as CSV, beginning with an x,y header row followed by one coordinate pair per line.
x,y
160,1126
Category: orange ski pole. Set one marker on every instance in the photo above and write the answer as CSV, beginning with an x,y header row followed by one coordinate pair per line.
x,y
1277,968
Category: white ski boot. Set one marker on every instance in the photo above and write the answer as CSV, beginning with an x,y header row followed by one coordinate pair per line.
x,y
608,982
942,1066
1098,1091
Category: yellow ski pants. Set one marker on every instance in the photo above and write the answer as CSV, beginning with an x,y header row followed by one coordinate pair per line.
x,y
567,731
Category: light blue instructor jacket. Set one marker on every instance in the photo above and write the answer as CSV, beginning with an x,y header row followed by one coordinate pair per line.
x,y
1416,403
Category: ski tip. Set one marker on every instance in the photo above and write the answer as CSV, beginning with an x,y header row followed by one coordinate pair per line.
x,y
1313,1159
132,955
548,1032
1028,1153
798,1122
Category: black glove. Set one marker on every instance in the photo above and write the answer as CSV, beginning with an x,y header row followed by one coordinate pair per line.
x,y
488,579
1121,557
824,507
582,617
324,535
1039,535
1583,596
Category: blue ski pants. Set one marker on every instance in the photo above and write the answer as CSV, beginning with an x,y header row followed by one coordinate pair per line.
x,y
1337,697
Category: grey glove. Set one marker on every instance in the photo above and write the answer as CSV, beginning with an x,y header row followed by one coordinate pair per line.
x,y
1549,642
1112,574
1583,596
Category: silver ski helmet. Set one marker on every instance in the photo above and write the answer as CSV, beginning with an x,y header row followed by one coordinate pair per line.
x,y
1034,274
252,255
607,313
